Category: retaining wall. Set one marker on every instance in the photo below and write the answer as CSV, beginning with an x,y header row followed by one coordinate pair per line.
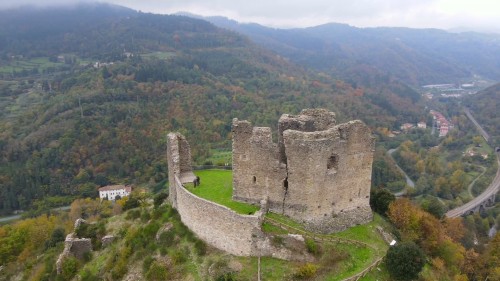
x,y
218,225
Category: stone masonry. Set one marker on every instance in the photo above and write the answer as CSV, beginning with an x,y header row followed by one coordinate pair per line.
x,y
319,173
218,225
74,246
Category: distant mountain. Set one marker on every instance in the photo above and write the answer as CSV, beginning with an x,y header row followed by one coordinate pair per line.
x,y
415,56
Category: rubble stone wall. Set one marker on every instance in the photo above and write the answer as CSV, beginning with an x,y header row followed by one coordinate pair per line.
x,y
217,225
257,171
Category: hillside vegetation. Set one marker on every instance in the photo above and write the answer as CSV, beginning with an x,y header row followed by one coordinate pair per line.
x,y
484,106
92,103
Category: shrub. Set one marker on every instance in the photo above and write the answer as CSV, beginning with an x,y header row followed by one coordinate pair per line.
x,y
159,199
163,251
88,276
69,268
179,256
312,246
131,203
57,236
167,238
150,230
119,270
228,276
306,271
145,216
133,214
157,272
146,264
200,247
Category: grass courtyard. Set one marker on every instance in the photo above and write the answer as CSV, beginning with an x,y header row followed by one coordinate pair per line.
x,y
217,186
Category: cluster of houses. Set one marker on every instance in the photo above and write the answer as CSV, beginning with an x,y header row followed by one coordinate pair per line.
x,y
442,124
408,126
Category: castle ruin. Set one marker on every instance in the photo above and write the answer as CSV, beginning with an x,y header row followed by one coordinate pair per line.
x,y
318,173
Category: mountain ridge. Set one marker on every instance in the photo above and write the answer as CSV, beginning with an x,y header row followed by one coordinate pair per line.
x,y
436,56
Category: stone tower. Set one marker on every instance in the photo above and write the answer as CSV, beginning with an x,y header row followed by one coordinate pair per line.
x,y
319,173
179,162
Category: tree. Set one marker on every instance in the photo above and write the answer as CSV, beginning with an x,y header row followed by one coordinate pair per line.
x,y
434,207
58,235
405,261
380,200
159,198
406,217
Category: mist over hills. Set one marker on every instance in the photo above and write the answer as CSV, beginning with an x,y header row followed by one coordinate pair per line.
x,y
415,56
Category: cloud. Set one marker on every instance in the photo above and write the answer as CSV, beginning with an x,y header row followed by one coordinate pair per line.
x,y
294,13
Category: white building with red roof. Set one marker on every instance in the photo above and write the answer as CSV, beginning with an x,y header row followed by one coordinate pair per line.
x,y
111,191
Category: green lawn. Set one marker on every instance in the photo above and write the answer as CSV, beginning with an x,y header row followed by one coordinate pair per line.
x,y
217,186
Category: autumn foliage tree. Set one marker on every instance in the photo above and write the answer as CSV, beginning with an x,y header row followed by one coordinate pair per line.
x,y
438,239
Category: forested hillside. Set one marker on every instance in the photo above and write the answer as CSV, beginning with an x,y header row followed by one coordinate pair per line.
x,y
89,93
414,56
485,107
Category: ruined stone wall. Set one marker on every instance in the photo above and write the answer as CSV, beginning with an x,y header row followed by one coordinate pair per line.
x,y
179,161
74,246
319,173
309,120
329,175
257,172
217,225
173,164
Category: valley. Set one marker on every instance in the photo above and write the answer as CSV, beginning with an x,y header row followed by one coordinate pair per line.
x,y
88,94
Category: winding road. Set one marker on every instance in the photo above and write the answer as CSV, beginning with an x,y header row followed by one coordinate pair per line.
x,y
409,181
483,198
488,196
16,217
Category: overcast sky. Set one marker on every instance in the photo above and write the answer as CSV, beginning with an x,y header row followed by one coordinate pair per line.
x,y
472,14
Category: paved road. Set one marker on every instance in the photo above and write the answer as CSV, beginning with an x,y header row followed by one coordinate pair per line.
x,y
469,188
492,189
485,135
16,217
409,181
